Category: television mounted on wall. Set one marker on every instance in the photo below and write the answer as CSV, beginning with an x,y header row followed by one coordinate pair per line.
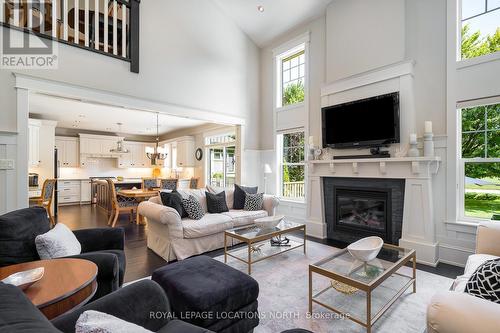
x,y
370,122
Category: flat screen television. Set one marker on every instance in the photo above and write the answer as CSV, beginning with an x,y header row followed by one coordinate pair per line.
x,y
370,122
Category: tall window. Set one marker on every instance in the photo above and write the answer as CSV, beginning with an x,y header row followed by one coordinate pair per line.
x,y
480,161
291,165
480,27
221,161
293,69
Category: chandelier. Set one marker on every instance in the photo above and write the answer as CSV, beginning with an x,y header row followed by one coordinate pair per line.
x,y
156,153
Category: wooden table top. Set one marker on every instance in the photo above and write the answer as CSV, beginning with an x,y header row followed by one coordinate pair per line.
x,y
69,282
139,193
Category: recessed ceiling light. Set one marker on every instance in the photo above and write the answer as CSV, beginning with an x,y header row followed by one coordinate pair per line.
x,y
81,115
260,8
75,126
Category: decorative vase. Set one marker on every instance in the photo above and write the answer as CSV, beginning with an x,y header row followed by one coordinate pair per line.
x,y
428,145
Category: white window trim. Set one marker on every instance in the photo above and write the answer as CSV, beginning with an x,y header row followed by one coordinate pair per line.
x,y
279,164
460,162
463,63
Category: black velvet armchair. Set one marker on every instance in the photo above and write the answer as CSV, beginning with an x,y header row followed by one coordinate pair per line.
x,y
103,246
143,303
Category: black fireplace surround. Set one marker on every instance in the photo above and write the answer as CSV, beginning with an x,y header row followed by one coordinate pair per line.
x,y
362,207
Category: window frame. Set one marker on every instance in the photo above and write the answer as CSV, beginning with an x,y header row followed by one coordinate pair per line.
x,y
466,62
280,164
462,161
301,47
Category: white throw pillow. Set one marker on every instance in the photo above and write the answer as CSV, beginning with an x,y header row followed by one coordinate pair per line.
x,y
58,242
98,322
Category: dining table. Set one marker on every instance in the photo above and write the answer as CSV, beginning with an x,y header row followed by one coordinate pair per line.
x,y
139,195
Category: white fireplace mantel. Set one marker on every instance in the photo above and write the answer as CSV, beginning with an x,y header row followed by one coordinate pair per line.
x,y
418,230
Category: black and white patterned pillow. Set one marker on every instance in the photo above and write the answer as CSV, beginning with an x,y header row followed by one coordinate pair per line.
x,y
193,208
254,201
485,281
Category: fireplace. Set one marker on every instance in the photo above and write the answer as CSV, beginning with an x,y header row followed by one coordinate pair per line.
x,y
357,208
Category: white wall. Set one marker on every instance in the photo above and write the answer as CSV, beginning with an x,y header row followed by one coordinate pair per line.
x,y
191,55
363,35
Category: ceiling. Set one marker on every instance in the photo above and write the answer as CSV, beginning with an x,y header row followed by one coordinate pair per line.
x,y
73,114
278,16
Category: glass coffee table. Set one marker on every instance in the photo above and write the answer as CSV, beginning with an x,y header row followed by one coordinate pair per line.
x,y
359,289
263,243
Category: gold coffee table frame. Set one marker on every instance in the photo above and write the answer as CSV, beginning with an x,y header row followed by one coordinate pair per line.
x,y
253,235
410,255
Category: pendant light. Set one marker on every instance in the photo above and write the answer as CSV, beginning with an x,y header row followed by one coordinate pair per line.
x,y
156,153
119,144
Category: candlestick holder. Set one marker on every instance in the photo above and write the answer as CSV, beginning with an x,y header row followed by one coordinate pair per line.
x,y
428,145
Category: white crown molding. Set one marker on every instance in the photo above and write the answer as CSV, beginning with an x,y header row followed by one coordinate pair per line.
x,y
363,79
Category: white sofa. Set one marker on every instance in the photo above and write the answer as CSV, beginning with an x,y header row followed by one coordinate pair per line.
x,y
172,238
457,312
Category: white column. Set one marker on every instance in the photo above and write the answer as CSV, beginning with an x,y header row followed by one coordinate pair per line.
x,y
54,18
87,31
76,27
30,15
115,30
124,31
65,19
2,4
96,24
16,13
42,17
22,147
105,3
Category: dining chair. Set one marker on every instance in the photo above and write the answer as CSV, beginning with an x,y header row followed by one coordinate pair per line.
x,y
119,204
193,183
149,183
45,200
168,184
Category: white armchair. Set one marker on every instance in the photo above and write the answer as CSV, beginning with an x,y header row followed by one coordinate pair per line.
x,y
457,312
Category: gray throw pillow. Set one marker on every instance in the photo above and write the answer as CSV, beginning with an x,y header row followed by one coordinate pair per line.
x,y
239,195
216,203
254,201
98,322
193,208
57,242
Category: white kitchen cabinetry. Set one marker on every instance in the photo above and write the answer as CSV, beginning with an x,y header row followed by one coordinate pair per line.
x,y
136,157
85,191
34,142
98,145
185,152
69,191
67,151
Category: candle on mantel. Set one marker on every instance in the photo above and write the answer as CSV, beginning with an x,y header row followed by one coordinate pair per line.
x,y
311,141
428,126
413,138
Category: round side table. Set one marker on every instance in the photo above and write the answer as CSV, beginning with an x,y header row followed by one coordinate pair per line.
x,y
65,285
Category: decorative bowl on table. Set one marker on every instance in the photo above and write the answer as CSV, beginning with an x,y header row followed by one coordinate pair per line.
x,y
25,279
269,222
366,249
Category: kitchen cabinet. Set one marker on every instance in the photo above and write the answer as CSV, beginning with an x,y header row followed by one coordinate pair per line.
x,y
34,142
85,191
98,145
67,151
185,152
69,191
136,157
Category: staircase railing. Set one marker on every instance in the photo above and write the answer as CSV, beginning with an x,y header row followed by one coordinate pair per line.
x,y
108,27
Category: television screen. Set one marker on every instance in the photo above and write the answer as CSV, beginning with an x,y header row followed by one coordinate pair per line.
x,y
365,123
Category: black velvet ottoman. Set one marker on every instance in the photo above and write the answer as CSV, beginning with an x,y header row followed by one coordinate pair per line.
x,y
210,294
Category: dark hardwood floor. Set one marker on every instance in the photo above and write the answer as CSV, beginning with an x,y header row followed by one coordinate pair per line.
x,y
141,261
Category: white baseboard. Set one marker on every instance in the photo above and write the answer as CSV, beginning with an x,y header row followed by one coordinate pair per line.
x,y
427,253
316,229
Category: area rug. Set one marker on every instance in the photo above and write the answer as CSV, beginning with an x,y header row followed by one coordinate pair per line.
x,y
283,297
